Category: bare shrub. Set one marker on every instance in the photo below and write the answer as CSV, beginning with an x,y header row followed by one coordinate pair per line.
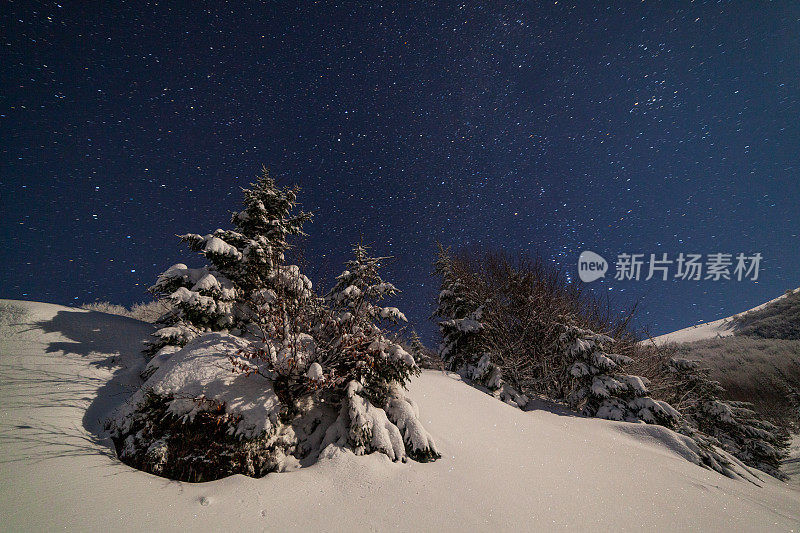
x,y
523,302
107,307
146,311
10,315
151,311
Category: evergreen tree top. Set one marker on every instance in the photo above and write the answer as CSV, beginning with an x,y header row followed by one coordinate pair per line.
x,y
361,285
454,299
268,211
245,263
362,257
362,272
443,265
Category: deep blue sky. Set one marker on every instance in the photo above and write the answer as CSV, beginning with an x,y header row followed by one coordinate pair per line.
x,y
550,128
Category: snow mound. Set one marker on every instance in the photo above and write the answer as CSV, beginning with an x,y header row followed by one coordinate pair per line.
x,y
202,371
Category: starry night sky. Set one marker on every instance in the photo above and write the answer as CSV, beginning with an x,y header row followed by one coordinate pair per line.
x,y
548,128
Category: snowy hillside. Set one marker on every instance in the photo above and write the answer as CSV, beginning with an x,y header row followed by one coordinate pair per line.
x,y
723,327
63,371
755,356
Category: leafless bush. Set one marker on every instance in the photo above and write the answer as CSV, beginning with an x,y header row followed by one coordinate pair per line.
x,y
524,299
145,311
107,307
10,315
151,311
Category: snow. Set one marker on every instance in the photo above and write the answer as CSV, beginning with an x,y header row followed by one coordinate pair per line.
x,y
791,465
350,292
211,244
202,369
637,383
387,348
393,313
465,325
180,270
297,350
184,295
404,413
647,408
290,278
215,245
64,370
179,334
315,372
724,327
207,283
370,428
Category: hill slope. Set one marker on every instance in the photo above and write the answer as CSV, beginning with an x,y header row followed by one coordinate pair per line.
x,y
754,355
744,322
63,370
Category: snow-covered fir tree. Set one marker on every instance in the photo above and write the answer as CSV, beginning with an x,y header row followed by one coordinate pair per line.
x,y
597,385
733,425
376,413
417,348
463,347
328,373
245,270
359,289
460,311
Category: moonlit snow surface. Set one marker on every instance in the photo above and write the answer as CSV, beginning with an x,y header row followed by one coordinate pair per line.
x,y
63,370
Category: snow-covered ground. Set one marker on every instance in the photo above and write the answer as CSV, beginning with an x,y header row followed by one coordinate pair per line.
x,y
63,370
792,465
724,327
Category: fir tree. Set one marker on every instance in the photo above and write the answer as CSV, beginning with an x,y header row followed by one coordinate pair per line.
x,y
373,358
597,385
337,351
733,425
460,310
337,370
464,346
418,350
376,414
245,273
